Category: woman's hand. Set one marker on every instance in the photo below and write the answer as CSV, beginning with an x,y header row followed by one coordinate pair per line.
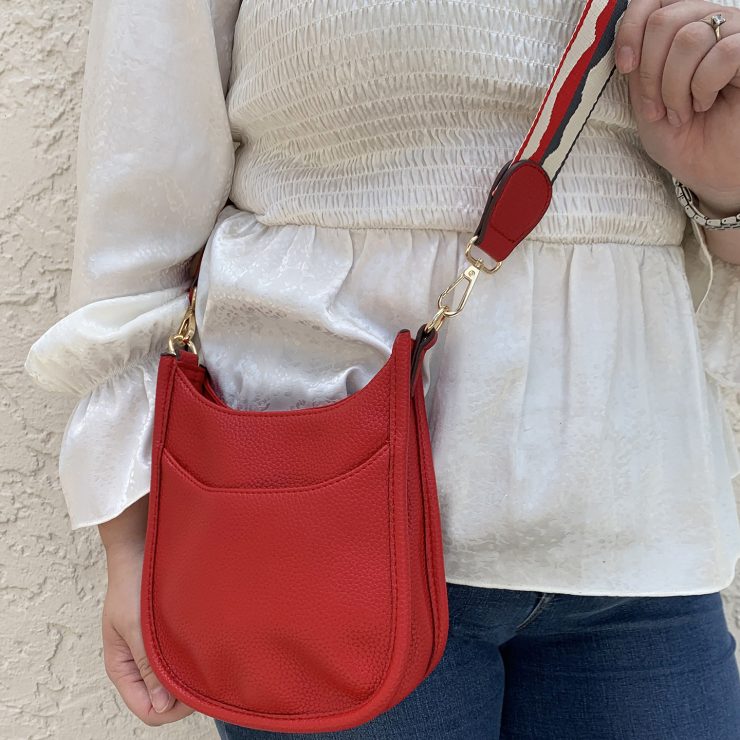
x,y
123,647
684,87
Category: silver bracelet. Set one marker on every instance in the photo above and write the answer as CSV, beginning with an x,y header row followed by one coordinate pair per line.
x,y
686,199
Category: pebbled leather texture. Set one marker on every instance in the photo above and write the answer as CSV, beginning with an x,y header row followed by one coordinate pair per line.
x,y
293,577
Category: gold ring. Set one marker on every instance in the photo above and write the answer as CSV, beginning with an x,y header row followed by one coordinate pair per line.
x,y
714,21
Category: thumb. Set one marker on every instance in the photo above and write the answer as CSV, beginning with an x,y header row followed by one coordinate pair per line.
x,y
160,698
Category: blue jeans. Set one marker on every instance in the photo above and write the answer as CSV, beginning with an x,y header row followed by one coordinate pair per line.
x,y
541,666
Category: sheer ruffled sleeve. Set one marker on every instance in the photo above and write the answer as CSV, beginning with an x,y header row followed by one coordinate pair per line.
x,y
155,160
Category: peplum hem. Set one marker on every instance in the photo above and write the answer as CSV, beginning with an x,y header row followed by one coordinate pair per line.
x,y
571,414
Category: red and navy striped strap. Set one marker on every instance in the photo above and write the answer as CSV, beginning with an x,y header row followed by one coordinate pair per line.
x,y
521,193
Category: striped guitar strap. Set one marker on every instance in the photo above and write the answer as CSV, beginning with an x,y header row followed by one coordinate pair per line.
x,y
522,190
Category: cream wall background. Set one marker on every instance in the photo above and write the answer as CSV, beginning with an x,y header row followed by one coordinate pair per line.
x,y
52,681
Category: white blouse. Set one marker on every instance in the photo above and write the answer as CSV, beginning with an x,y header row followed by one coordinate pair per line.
x,y
580,441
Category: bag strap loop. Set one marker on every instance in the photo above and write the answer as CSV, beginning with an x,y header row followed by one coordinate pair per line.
x,y
521,193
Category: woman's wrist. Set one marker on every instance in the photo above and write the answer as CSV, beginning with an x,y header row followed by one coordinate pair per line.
x,y
124,535
722,243
717,206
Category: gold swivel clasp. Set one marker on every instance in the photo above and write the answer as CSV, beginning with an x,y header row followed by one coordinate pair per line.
x,y
184,335
469,275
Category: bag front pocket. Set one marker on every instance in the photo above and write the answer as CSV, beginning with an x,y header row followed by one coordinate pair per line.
x,y
300,604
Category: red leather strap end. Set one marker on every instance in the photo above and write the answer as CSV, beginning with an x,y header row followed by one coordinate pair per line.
x,y
424,340
519,198
195,271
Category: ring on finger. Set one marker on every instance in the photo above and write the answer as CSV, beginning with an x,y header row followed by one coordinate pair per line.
x,y
714,21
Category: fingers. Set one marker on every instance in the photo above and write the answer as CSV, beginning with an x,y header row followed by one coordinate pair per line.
x,y
689,46
628,42
720,67
159,697
666,43
125,659
128,668
672,30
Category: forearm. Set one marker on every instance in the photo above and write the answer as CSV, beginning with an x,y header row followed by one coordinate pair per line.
x,y
126,532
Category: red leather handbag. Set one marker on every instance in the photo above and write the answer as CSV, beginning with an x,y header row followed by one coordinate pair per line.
x,y
293,577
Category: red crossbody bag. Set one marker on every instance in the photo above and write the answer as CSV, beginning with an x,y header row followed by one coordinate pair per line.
x,y
293,577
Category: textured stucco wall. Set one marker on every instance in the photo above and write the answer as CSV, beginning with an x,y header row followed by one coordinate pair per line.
x,y
52,680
